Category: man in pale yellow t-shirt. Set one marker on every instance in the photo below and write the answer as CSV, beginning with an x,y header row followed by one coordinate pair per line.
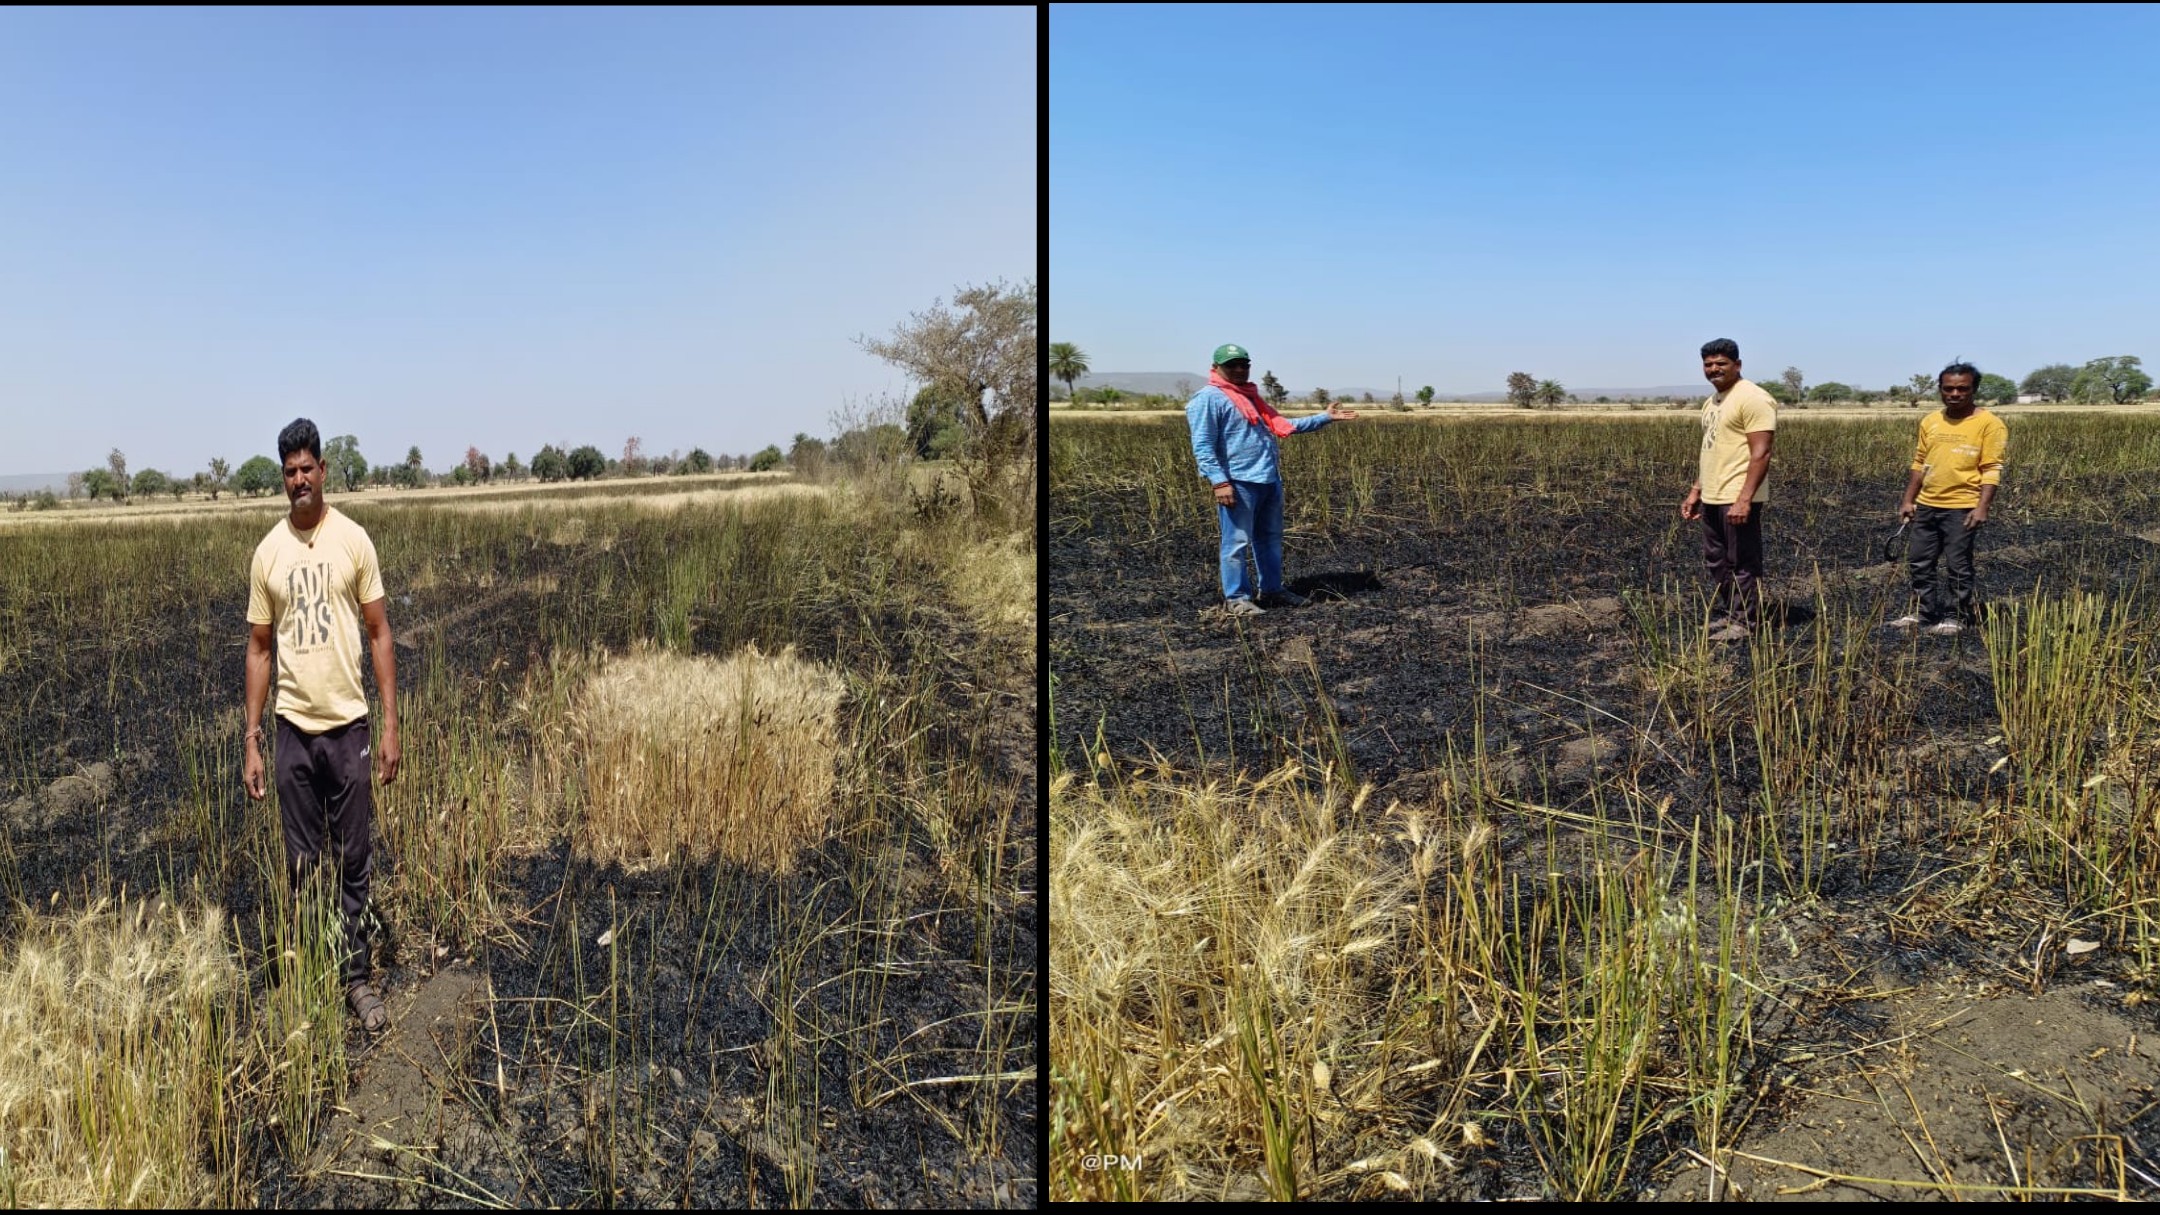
x,y
312,586
1731,488
1956,466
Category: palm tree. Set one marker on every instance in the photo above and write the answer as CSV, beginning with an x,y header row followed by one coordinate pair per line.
x,y
1068,363
1549,392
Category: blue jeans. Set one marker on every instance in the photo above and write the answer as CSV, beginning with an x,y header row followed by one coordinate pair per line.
x,y
1253,525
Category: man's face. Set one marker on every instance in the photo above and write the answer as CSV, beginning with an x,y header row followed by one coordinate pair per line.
x,y
1722,372
303,479
1237,371
1957,392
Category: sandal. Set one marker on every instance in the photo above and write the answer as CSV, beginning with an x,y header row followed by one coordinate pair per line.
x,y
367,1006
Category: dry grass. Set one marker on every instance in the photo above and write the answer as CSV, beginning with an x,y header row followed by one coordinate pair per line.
x,y
114,1048
765,488
690,756
995,582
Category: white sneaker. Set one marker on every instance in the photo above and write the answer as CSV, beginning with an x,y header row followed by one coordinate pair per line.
x,y
1243,607
1906,621
1947,628
1732,630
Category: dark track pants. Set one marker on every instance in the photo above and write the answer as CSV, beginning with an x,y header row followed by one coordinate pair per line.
x,y
1939,538
324,795
1733,555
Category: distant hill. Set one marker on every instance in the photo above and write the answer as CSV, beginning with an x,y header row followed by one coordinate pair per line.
x,y
1167,382
30,483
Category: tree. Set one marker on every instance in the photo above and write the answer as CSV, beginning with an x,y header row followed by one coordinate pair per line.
x,y
1183,390
2050,383
1522,388
1549,392
2119,380
118,464
510,468
1867,396
586,463
347,466
806,455
1320,397
1998,389
934,423
766,460
150,482
876,445
1779,391
257,475
477,465
1921,386
1068,363
698,461
1396,403
550,465
1794,382
983,350
1273,389
1425,395
1829,391
75,486
218,472
633,457
99,482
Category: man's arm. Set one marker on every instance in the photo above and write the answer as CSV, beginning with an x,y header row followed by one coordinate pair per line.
x,y
1912,495
258,692
1992,443
1200,420
1758,467
376,617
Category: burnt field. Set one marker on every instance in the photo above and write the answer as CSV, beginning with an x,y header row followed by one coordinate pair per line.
x,y
709,879
1487,875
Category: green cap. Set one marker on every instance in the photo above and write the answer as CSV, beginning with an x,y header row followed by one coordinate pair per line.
x,y
1228,351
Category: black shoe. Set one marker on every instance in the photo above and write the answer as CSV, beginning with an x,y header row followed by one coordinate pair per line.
x,y
1284,598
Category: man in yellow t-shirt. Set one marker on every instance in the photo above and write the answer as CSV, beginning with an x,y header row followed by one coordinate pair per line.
x,y
1732,488
313,585
1956,467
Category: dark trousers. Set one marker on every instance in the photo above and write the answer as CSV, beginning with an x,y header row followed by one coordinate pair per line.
x,y
1940,539
324,795
1733,554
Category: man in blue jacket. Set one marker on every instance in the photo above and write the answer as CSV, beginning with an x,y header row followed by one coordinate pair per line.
x,y
1236,435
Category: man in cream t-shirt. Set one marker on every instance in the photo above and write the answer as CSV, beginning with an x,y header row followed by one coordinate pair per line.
x,y
1731,488
313,585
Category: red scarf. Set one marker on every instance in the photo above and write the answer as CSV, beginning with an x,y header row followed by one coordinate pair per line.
x,y
1250,403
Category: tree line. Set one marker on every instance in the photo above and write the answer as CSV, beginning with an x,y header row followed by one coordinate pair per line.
x,y
975,362
2119,380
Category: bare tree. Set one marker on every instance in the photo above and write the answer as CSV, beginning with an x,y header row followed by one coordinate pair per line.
x,y
1794,381
981,349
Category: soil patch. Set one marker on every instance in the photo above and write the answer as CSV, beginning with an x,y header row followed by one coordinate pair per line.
x,y
1960,1089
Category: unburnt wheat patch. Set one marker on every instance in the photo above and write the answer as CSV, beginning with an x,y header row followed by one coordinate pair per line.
x,y
701,757
114,1057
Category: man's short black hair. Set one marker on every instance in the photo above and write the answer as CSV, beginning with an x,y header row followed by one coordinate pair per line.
x,y
1725,346
300,436
1961,367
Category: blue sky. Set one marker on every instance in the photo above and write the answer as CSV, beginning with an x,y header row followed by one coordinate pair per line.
x,y
499,227
1590,193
